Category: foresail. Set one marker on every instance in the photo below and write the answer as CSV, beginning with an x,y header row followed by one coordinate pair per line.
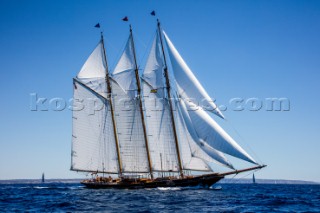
x,y
93,143
199,144
95,66
192,89
191,156
212,134
160,133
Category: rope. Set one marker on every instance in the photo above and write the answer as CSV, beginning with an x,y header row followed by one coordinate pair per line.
x,y
238,179
140,60
117,51
244,142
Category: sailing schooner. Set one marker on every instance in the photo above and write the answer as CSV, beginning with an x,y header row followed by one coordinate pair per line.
x,y
145,129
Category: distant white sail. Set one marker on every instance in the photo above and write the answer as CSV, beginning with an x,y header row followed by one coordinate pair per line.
x,y
192,89
95,66
93,142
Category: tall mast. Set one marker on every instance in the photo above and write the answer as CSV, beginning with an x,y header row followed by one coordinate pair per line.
x,y
140,102
111,107
170,101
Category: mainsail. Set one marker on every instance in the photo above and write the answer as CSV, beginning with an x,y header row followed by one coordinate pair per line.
x,y
159,127
93,141
127,113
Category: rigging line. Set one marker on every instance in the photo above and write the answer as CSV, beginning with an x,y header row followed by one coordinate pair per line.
x,y
137,38
139,102
107,78
133,117
250,173
178,106
245,142
145,47
166,75
118,54
104,118
233,176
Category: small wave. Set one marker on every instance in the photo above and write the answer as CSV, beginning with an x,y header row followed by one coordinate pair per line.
x,y
215,187
169,188
194,187
41,187
76,187
23,187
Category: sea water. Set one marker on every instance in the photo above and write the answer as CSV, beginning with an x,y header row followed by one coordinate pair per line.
x,y
62,197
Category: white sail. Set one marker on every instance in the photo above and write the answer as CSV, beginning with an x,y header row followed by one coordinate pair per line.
x,y
130,132
192,89
159,128
124,72
95,66
93,72
158,121
215,155
212,134
153,71
93,141
127,114
98,85
191,156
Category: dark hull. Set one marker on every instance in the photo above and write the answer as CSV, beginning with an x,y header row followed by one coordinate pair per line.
x,y
203,180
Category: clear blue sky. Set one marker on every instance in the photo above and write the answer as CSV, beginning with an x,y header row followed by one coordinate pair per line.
x,y
241,49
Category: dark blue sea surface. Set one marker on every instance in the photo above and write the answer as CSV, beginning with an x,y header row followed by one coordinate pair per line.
x,y
62,197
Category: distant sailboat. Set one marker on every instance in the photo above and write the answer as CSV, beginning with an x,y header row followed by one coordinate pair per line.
x,y
253,179
146,131
42,178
